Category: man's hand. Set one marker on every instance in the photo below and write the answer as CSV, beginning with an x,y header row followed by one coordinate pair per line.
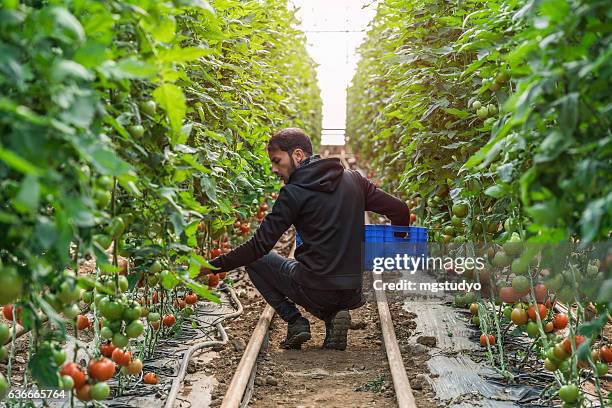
x,y
203,273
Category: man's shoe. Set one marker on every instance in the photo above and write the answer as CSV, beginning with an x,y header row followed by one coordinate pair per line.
x,y
336,330
298,332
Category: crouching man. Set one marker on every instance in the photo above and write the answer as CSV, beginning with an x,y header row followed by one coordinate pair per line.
x,y
326,204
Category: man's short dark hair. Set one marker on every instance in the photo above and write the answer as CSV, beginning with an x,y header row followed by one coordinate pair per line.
x,y
289,139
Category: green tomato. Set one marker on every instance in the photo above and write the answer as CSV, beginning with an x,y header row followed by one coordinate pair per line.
x,y
87,297
100,299
11,284
482,113
550,365
156,267
532,329
520,284
508,312
68,292
103,240
112,310
71,311
120,340
136,131
602,368
116,227
105,182
114,325
66,383
154,317
59,356
3,353
501,260
460,210
491,109
134,329
106,333
569,393
102,198
550,354
123,283
153,280
5,333
100,391
514,246
132,313
476,105
476,321
148,107
519,267
187,311
4,387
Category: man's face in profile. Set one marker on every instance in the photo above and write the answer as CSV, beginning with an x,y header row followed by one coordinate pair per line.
x,y
284,164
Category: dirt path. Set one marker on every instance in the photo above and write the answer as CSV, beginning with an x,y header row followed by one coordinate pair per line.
x,y
312,377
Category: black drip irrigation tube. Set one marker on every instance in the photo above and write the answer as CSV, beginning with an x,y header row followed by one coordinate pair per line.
x,y
168,354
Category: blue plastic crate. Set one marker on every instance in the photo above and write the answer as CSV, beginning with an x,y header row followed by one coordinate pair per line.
x,y
387,241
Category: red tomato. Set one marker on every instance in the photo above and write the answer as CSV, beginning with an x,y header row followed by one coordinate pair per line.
x,y
605,354
542,311
150,378
7,311
169,320
540,292
76,372
483,340
245,228
213,280
135,367
560,321
413,218
102,369
567,345
83,322
84,392
191,298
121,357
106,349
215,252
263,207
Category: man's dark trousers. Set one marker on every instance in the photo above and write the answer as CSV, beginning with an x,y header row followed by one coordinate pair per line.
x,y
272,275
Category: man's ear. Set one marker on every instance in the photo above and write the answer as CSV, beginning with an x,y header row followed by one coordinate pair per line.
x,y
298,155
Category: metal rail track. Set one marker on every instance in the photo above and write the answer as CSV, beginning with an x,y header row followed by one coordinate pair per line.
x,y
236,390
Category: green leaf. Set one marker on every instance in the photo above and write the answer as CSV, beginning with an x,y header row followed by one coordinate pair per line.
x,y
129,68
209,186
201,290
169,280
179,54
171,98
497,190
18,163
42,367
28,196
65,25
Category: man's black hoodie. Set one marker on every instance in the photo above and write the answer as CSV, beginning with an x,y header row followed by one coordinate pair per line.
x,y
326,203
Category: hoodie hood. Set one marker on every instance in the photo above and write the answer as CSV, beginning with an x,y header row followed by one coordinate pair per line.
x,y
318,174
